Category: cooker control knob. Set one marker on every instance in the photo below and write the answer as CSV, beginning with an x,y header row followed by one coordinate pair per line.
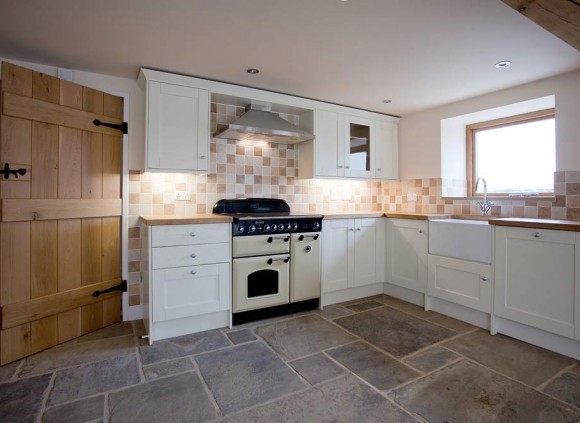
x,y
252,228
266,228
316,225
274,227
288,226
295,226
241,229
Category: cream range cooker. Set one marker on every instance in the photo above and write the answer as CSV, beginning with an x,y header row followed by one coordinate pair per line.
x,y
276,258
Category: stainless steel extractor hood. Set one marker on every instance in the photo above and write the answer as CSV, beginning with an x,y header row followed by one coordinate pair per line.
x,y
261,125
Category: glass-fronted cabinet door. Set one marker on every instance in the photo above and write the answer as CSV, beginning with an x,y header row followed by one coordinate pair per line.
x,y
359,156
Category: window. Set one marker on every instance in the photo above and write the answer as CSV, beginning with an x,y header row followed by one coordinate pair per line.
x,y
515,155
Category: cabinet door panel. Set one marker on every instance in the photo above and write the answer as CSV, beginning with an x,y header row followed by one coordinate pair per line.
x,y
178,127
190,291
537,279
360,144
329,150
407,253
338,260
460,282
386,151
365,247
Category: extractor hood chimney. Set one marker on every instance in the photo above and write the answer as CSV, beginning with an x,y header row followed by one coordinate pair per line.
x,y
263,125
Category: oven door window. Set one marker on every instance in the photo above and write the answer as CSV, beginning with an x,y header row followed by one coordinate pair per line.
x,y
263,283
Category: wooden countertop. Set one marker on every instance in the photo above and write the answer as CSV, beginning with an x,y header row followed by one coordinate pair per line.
x,y
520,222
185,219
417,216
350,215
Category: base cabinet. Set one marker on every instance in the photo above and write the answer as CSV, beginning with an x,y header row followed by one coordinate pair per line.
x,y
537,278
407,241
352,251
461,282
187,280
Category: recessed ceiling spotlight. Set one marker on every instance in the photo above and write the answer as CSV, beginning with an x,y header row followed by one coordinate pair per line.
x,y
252,71
387,101
503,64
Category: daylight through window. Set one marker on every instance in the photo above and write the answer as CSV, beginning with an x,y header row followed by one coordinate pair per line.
x,y
515,155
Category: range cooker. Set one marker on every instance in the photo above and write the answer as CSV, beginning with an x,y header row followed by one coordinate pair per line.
x,y
276,258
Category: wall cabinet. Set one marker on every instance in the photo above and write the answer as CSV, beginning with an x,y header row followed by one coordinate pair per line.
x,y
350,146
461,282
537,278
352,251
177,128
407,241
188,278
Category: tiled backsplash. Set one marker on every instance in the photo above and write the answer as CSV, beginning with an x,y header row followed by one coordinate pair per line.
x,y
269,170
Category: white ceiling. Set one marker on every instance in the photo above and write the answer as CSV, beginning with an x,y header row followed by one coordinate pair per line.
x,y
418,53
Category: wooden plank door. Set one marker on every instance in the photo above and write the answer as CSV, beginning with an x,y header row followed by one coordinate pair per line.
x,y
60,231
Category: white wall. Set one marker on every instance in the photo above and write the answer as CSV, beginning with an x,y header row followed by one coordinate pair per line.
x,y
420,134
112,85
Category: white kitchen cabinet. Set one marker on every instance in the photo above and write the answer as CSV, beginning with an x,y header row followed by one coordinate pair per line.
x,y
350,146
187,278
352,251
462,282
177,128
407,241
537,278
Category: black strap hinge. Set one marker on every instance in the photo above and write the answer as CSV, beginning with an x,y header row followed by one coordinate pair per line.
x,y
121,287
123,127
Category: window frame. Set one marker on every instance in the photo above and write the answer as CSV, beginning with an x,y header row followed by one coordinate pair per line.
x,y
472,129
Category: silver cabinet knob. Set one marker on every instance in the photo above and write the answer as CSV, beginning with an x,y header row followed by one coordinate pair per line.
x,y
379,169
193,255
358,229
193,272
420,231
202,156
484,278
351,229
192,233
536,234
340,167
347,167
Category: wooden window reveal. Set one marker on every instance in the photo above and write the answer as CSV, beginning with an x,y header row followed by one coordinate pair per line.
x,y
492,124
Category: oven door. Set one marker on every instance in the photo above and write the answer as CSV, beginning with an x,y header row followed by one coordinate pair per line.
x,y
260,282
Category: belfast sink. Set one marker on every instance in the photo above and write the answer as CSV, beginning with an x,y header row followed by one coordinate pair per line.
x,y
461,239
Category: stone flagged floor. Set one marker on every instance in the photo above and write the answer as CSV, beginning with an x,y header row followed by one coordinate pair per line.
x,y
377,359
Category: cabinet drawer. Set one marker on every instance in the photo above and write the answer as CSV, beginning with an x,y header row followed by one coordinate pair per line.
x,y
168,235
190,255
189,291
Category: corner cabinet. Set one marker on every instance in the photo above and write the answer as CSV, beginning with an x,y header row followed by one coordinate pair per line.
x,y
177,132
350,146
352,251
537,278
407,253
187,281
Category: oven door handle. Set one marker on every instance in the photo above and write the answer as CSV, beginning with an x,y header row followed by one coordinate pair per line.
x,y
284,259
314,237
286,238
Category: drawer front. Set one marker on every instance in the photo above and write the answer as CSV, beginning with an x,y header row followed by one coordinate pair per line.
x,y
190,291
170,235
190,255
248,246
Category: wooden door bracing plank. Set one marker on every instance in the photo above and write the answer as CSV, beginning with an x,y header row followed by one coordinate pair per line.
x,y
20,210
38,110
37,308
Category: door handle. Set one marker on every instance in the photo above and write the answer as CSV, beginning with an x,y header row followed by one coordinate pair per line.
x,y
284,237
314,237
284,259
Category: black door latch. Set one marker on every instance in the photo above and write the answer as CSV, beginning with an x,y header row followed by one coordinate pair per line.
x,y
123,127
7,171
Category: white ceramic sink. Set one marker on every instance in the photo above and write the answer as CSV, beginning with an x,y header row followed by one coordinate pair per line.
x,y
461,239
